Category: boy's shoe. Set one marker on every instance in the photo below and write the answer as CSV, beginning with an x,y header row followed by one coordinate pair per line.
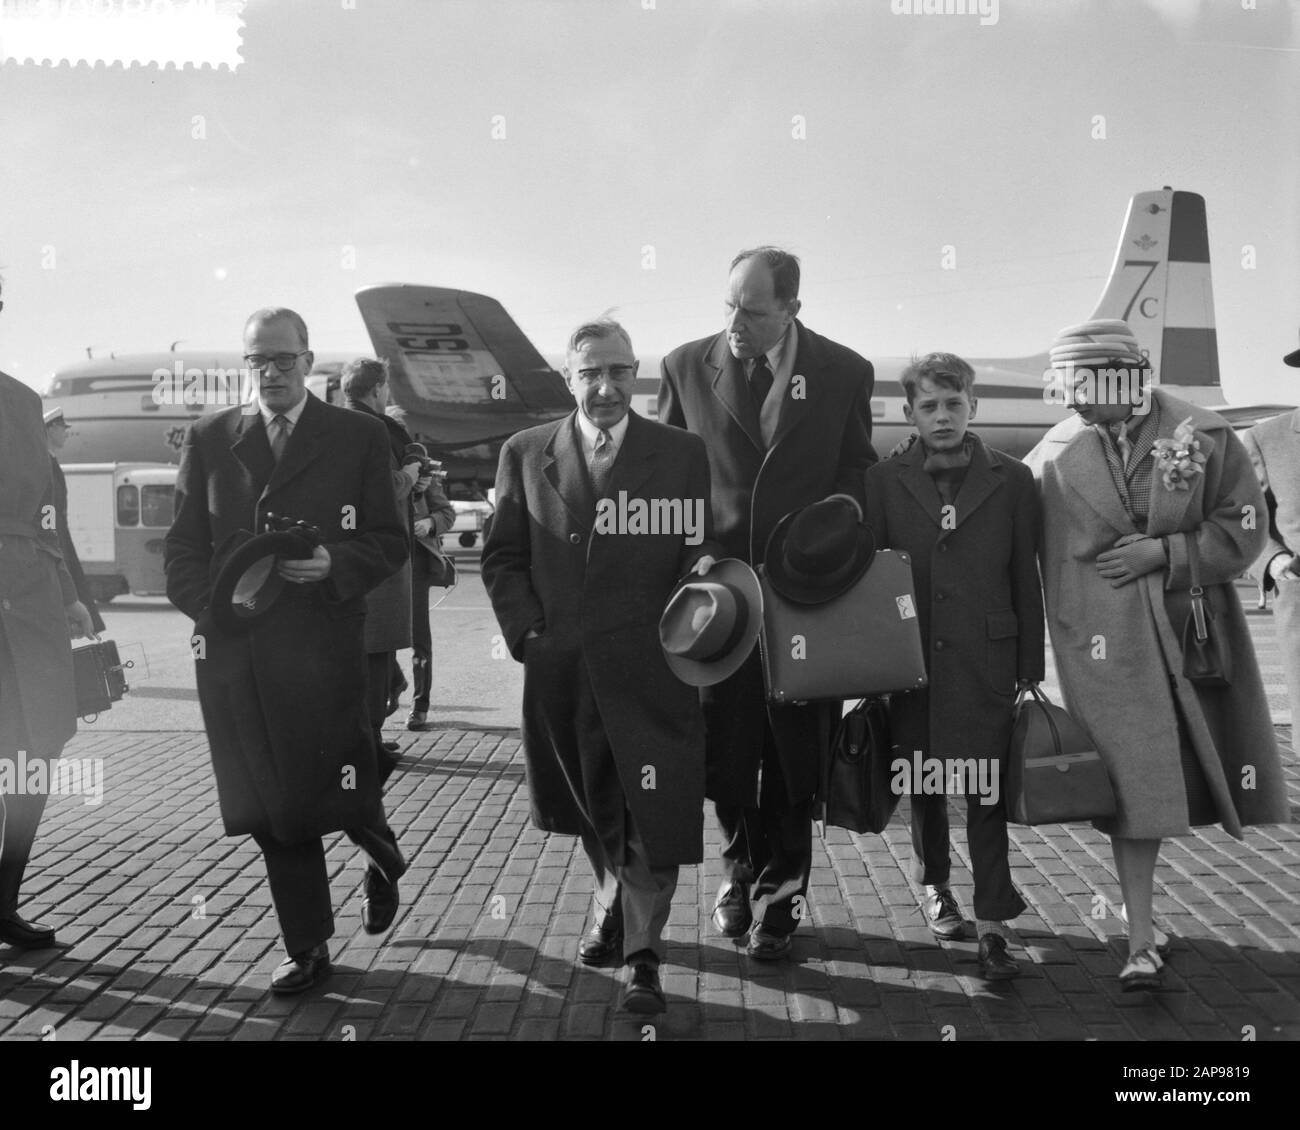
x,y
944,915
995,963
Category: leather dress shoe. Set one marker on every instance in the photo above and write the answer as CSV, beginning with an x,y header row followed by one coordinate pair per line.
x,y
391,747
603,941
380,902
395,695
731,913
768,945
299,972
995,963
24,935
417,720
642,993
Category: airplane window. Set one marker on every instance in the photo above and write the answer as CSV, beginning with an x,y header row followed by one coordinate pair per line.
x,y
157,504
128,506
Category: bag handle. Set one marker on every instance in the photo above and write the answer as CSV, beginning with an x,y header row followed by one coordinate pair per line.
x,y
1044,702
1200,625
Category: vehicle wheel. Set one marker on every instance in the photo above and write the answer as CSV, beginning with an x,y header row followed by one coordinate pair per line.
x,y
467,539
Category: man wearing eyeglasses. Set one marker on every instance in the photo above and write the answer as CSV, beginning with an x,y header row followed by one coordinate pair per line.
x,y
284,701
613,742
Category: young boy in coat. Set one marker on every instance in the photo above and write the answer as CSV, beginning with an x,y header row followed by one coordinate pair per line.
x,y
969,518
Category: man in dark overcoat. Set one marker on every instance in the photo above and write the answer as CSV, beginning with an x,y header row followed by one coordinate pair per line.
x,y
613,742
968,516
1274,450
284,701
786,417
39,610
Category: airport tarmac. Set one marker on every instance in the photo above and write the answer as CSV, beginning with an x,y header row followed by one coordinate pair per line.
x,y
166,929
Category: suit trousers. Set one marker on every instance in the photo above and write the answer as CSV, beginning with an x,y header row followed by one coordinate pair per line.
x,y
996,898
421,636
640,893
300,884
769,848
20,814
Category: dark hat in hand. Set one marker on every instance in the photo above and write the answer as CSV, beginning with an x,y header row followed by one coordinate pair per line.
x,y
815,554
711,623
248,583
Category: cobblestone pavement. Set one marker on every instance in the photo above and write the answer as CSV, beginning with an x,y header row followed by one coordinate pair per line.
x,y
168,932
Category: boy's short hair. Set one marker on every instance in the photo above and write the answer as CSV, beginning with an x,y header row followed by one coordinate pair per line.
x,y
946,369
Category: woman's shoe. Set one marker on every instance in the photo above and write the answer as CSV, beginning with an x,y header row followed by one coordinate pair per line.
x,y
1163,943
1141,971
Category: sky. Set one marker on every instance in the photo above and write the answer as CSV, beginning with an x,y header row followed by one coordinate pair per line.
x,y
572,156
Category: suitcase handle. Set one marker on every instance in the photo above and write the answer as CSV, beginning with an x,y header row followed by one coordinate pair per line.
x,y
1043,701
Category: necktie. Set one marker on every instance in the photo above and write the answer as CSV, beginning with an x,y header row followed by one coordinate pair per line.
x,y
602,461
279,436
760,380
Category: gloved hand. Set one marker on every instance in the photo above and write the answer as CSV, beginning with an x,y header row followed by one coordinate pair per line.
x,y
1134,556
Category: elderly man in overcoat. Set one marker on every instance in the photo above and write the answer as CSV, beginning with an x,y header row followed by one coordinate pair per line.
x,y
613,742
1126,505
38,611
284,701
1274,450
786,417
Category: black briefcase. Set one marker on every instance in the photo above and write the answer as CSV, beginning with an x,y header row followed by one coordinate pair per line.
x,y
98,675
856,790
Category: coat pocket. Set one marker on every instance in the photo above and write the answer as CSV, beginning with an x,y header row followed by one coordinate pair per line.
x,y
1003,630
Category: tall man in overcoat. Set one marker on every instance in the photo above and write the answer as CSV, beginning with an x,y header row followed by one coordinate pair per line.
x,y
39,610
284,702
1274,450
786,417
613,741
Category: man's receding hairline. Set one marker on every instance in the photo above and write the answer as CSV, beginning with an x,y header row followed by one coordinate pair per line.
x,y
269,317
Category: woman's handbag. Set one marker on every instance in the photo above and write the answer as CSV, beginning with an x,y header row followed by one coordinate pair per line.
x,y
1054,773
97,677
1206,661
856,791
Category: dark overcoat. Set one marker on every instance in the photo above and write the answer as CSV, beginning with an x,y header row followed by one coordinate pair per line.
x,y
284,704
1274,450
978,600
68,549
388,604
1118,651
595,678
821,446
37,704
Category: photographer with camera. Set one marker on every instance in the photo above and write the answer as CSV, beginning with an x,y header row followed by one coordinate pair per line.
x,y
388,607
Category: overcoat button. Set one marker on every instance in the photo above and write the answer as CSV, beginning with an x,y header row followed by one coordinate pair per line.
x,y
943,549
4,604
574,539
938,645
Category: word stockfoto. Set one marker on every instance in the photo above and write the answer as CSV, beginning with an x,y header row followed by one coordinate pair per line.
x,y
63,776
681,517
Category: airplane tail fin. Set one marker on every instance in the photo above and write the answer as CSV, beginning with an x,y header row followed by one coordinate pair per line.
x,y
1160,285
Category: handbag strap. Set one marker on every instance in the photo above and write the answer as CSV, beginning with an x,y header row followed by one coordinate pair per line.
x,y
1201,627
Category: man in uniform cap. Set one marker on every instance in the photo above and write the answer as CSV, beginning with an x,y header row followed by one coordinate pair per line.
x,y
56,435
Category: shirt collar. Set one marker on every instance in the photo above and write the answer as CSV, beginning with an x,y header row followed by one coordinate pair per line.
x,y
781,356
591,433
291,415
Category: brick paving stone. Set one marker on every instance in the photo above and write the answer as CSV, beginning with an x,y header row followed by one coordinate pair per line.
x,y
865,965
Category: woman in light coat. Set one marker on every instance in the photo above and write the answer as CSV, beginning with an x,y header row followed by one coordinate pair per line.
x,y
1127,496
